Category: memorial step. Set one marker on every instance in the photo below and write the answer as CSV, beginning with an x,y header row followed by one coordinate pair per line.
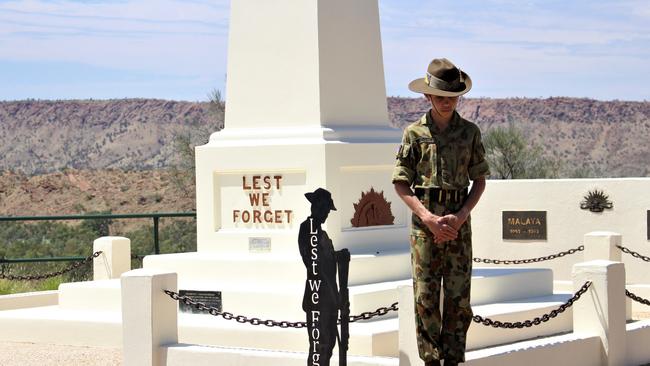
x,y
267,269
480,336
54,324
489,285
283,303
184,354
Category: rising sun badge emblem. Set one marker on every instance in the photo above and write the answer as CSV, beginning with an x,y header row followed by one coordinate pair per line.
x,y
596,201
372,210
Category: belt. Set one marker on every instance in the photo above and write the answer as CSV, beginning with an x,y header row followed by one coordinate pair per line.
x,y
440,195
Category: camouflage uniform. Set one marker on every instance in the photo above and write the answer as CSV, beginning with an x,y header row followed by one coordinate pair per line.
x,y
427,159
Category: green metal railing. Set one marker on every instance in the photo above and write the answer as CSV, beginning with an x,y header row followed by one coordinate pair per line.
x,y
155,216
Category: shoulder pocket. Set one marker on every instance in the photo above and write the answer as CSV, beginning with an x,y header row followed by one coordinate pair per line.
x,y
405,150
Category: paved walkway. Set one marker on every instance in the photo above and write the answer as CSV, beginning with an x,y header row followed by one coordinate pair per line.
x,y
30,354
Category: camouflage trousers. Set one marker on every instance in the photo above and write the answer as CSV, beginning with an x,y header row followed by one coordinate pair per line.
x,y
446,266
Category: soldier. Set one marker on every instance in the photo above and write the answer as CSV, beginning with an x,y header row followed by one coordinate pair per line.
x,y
321,299
440,153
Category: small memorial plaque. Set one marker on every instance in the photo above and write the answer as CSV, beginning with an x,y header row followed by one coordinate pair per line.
x,y
259,245
524,225
209,298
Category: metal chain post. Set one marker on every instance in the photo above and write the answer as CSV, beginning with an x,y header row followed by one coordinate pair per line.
x,y
50,275
537,320
530,260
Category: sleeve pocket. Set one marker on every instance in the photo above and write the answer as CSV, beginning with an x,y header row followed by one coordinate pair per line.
x,y
405,150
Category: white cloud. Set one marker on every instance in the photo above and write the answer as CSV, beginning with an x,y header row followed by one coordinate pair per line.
x,y
511,48
133,34
522,48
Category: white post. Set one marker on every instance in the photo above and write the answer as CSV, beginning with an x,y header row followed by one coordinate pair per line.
x,y
408,345
149,316
115,258
602,245
601,310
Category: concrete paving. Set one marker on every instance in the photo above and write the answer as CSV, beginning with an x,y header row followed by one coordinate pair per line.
x,y
31,354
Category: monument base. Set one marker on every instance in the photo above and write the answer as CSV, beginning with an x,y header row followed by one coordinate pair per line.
x,y
77,320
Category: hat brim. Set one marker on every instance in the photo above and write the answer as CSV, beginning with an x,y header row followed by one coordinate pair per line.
x,y
311,197
420,86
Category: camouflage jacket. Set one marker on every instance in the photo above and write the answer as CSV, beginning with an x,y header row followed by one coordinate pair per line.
x,y
429,158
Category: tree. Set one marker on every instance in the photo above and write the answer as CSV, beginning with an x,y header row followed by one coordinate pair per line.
x,y
183,166
512,156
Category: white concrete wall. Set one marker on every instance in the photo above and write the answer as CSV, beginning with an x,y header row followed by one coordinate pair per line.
x,y
567,223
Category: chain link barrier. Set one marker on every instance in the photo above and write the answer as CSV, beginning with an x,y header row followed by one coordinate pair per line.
x,y
50,275
537,320
379,312
633,253
637,298
269,322
371,314
529,260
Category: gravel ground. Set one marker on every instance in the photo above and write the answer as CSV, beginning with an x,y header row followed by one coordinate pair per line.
x,y
28,354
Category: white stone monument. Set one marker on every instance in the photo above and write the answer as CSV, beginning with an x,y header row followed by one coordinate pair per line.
x,y
305,108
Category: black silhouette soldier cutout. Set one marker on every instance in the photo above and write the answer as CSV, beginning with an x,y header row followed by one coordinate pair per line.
x,y
322,299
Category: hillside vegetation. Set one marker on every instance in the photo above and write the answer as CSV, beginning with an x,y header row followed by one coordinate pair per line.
x,y
605,139
39,137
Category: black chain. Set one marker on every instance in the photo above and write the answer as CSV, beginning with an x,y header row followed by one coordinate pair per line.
x,y
371,314
537,320
269,322
50,275
530,260
636,298
634,254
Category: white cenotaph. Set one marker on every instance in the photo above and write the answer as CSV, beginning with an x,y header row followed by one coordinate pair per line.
x,y
305,108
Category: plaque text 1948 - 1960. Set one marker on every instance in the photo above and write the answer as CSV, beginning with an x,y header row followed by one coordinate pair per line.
x,y
524,225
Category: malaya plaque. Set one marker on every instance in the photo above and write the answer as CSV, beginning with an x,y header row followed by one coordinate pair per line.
x,y
524,225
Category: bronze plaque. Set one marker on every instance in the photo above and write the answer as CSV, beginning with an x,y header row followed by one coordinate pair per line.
x,y
524,225
209,298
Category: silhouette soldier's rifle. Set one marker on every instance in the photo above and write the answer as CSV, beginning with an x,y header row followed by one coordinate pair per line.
x,y
343,262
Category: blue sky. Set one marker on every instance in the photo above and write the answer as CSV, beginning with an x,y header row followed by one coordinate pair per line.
x,y
176,49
